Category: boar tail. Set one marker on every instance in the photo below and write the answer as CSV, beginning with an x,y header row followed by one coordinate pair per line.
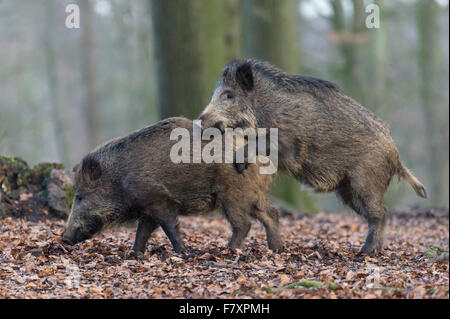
x,y
406,174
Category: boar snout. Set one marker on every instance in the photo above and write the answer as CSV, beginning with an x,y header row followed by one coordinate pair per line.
x,y
73,237
204,119
67,241
208,121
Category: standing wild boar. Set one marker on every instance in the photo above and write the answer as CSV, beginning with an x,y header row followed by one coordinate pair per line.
x,y
133,178
326,139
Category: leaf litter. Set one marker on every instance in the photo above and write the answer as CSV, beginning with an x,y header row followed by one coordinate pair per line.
x,y
321,260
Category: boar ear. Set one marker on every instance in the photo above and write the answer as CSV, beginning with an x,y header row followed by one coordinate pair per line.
x,y
244,76
91,168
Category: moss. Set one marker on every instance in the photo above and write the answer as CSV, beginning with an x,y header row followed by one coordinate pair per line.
x,y
436,254
13,169
433,252
47,172
46,168
238,292
333,286
12,160
303,283
389,288
70,193
37,174
42,193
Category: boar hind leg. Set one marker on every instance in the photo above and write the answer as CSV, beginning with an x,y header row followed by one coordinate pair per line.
x,y
374,240
145,228
269,219
240,224
370,206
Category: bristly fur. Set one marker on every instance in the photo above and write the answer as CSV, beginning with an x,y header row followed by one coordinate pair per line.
x,y
326,139
290,82
138,180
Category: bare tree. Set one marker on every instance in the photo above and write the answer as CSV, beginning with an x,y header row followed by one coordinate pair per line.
x,y
180,54
88,74
436,121
269,27
233,30
350,36
53,83
269,34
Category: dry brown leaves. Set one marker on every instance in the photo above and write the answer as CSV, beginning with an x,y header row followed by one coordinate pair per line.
x,y
321,260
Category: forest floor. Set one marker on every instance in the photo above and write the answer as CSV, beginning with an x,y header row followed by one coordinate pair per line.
x,y
320,260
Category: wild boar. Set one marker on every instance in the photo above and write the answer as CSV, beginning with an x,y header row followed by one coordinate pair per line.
x,y
134,178
325,139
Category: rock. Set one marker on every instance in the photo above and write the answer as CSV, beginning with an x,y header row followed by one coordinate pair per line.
x,y
17,177
59,192
46,184
12,169
40,172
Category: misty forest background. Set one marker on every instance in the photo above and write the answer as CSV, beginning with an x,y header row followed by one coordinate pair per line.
x,y
63,91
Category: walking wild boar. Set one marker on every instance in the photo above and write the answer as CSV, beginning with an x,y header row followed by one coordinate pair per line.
x,y
325,139
133,178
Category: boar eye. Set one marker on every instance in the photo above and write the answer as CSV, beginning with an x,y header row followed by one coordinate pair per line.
x,y
227,95
78,198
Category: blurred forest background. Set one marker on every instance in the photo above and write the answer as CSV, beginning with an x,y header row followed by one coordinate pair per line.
x,y
63,91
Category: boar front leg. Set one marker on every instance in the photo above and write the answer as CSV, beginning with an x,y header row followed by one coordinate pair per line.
x,y
145,228
168,220
172,231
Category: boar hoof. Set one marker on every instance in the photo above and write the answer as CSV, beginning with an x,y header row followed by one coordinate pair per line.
x,y
181,249
371,249
135,255
277,249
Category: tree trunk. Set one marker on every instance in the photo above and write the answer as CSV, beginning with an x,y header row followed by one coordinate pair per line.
x,y
53,84
214,32
433,108
179,53
90,103
269,33
379,57
232,31
349,40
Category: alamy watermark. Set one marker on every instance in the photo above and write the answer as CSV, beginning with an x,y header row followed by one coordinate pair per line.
x,y
73,17
373,279
373,17
238,142
73,275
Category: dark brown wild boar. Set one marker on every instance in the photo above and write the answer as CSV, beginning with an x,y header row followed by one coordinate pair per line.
x,y
325,139
133,178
